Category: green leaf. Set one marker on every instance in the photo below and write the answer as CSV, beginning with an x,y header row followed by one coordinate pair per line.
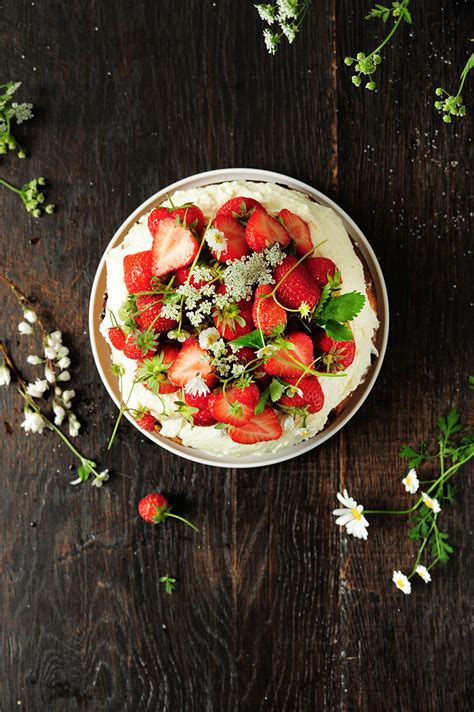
x,y
325,295
276,390
84,471
343,308
415,458
254,340
262,401
338,332
467,69
379,11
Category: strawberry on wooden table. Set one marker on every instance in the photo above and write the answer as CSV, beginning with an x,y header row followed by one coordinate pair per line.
x,y
319,268
262,231
311,396
236,405
259,428
298,230
293,359
295,286
137,271
267,315
339,354
149,307
236,244
191,362
155,509
174,246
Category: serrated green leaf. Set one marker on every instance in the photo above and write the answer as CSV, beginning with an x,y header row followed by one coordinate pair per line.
x,y
254,340
338,332
343,308
276,390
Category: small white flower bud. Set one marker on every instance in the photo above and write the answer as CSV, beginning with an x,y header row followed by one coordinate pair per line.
x,y
30,315
34,360
64,376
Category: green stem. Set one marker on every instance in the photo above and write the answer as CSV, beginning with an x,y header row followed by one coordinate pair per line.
x,y
389,36
422,547
181,519
10,186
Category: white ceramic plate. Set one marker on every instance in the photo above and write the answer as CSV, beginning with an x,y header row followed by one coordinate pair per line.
x,y
101,351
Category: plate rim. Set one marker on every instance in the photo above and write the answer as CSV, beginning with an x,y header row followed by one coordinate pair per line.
x,y
364,389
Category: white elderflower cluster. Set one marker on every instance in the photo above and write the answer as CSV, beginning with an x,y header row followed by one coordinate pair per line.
x,y
241,276
283,19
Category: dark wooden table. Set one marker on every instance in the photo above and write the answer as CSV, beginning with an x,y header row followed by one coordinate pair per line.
x,y
275,609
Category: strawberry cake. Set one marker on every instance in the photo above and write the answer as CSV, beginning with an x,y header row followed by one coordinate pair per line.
x,y
240,318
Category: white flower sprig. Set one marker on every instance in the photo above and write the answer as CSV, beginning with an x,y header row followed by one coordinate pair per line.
x,y
36,394
455,449
283,19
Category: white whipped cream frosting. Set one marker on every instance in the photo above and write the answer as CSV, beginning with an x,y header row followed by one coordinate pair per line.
x,y
327,228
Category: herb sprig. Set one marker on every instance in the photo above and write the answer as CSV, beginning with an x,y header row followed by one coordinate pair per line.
x,y
449,105
286,16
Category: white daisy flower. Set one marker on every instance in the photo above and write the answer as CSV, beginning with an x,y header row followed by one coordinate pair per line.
x,y
208,337
25,328
197,386
216,240
401,582
351,516
34,360
5,375
423,572
411,481
64,376
33,422
49,375
36,389
267,351
292,391
431,503
30,315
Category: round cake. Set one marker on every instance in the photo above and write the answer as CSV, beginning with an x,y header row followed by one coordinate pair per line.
x,y
240,318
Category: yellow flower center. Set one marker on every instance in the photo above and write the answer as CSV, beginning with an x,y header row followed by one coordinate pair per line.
x,y
429,503
400,583
356,514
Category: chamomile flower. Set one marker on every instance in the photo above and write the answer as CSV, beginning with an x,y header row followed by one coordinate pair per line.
x,y
36,389
411,481
431,503
208,337
351,516
423,573
292,391
216,240
197,386
24,328
5,375
267,351
305,434
401,582
33,422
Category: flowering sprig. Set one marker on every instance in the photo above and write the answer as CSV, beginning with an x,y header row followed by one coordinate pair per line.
x,y
286,16
11,111
37,394
450,105
32,196
455,447
366,64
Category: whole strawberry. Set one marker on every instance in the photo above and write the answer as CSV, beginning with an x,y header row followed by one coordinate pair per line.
x,y
155,508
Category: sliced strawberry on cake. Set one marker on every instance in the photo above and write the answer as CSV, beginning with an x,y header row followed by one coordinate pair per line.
x,y
174,246
305,393
337,355
149,309
295,286
298,230
145,420
137,271
293,358
192,367
262,231
267,315
234,405
259,428
232,240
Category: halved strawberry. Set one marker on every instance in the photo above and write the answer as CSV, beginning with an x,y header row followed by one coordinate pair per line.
x,y
203,418
319,268
267,315
262,230
295,287
137,271
153,371
117,337
234,319
191,361
259,428
199,400
146,421
312,394
236,405
298,230
234,233
189,215
240,208
149,308
173,247
135,351
339,354
291,361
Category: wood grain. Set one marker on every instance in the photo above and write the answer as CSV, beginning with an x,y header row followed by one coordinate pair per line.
x,y
274,608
